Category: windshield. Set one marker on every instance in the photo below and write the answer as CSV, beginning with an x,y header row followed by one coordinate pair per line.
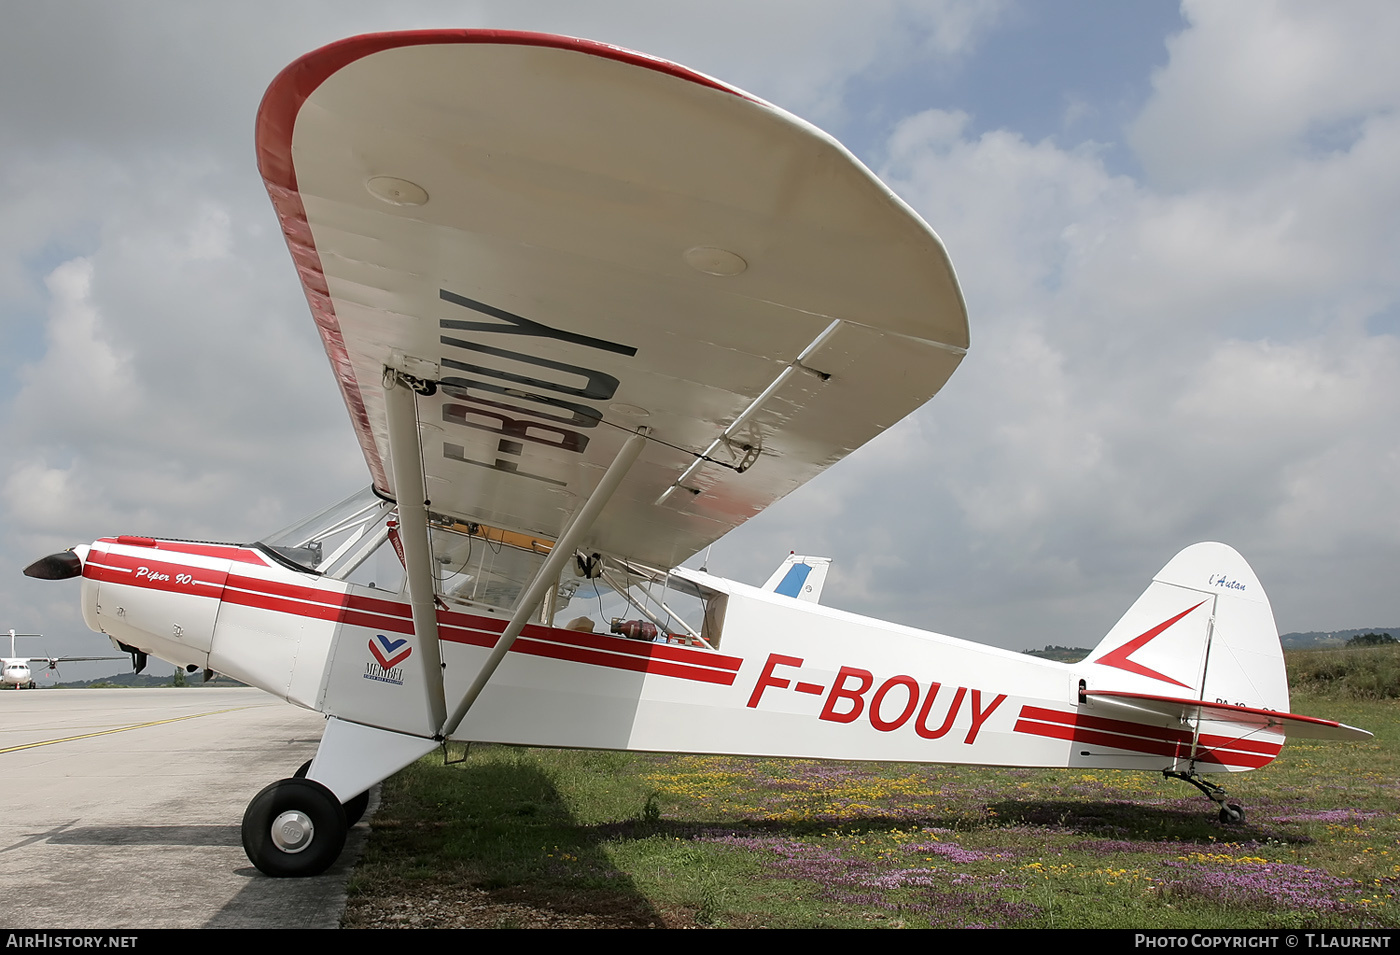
x,y
335,540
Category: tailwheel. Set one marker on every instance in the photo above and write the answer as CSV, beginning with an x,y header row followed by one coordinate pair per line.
x,y
1232,814
295,827
354,807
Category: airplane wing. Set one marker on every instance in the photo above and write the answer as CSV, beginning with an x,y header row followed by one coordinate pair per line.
x,y
49,663
1289,724
568,241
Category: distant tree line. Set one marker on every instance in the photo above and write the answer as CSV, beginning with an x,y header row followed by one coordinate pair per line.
x,y
1059,654
1371,640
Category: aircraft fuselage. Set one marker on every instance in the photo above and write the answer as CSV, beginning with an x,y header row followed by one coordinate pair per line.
x,y
16,673
789,678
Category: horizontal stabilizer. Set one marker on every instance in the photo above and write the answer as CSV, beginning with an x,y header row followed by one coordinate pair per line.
x,y
1288,724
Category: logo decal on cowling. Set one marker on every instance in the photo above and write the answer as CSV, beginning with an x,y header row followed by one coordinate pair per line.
x,y
388,654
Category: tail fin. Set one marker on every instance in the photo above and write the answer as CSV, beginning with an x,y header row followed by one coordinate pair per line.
x,y
800,577
1203,630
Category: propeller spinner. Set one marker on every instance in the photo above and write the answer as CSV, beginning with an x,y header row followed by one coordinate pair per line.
x,y
60,566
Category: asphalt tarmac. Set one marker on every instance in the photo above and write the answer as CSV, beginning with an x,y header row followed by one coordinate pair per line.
x,y
121,808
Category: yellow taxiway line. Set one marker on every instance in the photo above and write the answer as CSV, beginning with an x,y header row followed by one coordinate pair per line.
x,y
121,729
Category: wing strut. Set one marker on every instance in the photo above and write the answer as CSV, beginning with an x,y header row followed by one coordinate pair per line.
x,y
401,414
754,406
548,574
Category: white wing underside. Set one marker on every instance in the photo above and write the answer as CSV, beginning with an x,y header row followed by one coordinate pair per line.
x,y
536,223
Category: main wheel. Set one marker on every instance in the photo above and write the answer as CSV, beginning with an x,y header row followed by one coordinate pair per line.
x,y
1231,814
354,807
295,827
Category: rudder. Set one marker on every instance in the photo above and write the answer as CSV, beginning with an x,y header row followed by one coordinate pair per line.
x,y
800,577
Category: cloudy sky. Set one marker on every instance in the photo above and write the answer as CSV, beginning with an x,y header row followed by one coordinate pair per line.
x,y
1177,229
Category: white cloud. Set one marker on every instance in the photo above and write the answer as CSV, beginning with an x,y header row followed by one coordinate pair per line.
x,y
800,56
1149,368
79,349
1252,81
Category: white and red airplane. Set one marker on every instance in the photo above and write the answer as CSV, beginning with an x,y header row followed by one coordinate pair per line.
x,y
590,310
18,671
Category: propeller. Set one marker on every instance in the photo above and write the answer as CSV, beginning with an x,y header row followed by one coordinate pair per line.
x,y
51,663
59,566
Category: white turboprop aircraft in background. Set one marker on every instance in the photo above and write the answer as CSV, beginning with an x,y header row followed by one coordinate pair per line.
x,y
18,671
589,311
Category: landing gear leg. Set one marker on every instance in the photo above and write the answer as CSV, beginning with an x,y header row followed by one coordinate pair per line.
x,y
1231,813
295,827
354,807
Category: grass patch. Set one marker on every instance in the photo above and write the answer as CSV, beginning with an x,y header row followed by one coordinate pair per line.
x,y
1357,673
523,837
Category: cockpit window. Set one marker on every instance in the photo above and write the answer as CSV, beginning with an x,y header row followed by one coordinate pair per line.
x,y
336,540
489,567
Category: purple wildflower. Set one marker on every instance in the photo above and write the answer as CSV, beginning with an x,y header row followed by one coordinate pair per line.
x,y
1328,815
1266,884
947,850
946,897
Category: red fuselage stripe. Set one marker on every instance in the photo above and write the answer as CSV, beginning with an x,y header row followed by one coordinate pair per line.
x,y
1141,738
394,617
1147,747
1128,728
235,552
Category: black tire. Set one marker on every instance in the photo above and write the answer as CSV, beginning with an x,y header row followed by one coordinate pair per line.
x,y
354,808
311,803
1232,814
